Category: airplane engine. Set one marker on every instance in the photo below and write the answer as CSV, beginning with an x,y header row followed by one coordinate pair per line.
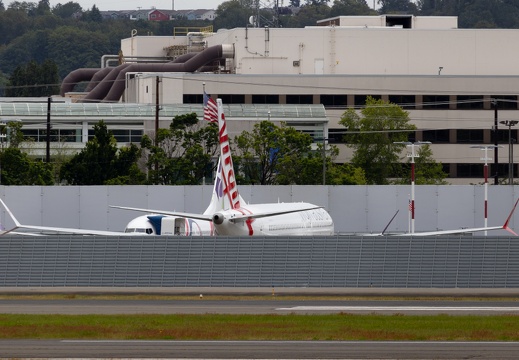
x,y
218,218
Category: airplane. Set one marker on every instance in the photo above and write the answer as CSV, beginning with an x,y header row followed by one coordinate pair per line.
x,y
50,229
151,224
234,217
505,226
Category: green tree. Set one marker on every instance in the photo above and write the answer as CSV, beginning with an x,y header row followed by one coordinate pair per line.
x,y
33,79
42,8
93,15
308,15
183,153
232,14
373,135
427,170
67,10
351,7
316,2
100,162
270,154
75,48
397,6
18,169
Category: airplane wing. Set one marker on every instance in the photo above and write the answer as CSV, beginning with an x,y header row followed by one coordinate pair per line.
x,y
52,229
166,212
505,226
262,214
235,216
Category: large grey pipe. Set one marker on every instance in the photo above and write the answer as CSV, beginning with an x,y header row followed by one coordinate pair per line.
x,y
97,78
96,75
112,86
75,77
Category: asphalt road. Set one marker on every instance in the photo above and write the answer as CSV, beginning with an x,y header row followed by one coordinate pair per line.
x,y
275,306
256,349
34,348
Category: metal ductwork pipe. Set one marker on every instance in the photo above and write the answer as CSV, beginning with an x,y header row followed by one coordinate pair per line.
x,y
96,79
112,86
75,77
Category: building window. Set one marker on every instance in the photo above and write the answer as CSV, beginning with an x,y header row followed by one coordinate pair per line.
x,y
336,136
469,102
334,100
404,101
232,99
506,102
300,99
502,134
436,136
435,102
56,135
193,99
265,99
360,100
122,135
469,136
469,170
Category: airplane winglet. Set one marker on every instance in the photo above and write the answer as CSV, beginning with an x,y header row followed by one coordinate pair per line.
x,y
505,225
16,222
389,223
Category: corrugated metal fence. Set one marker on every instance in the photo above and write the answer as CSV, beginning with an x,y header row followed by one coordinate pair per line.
x,y
387,262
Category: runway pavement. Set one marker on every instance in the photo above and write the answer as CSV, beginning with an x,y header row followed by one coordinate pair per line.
x,y
142,349
275,303
246,291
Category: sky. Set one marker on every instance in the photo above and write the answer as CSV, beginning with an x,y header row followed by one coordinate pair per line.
x,y
135,4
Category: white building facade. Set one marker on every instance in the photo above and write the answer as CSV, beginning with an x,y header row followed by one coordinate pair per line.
x,y
445,77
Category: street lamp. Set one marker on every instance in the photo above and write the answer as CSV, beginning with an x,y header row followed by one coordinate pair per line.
x,y
485,173
412,156
510,123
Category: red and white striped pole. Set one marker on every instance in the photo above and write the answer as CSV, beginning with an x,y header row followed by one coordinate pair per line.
x,y
485,174
412,156
412,188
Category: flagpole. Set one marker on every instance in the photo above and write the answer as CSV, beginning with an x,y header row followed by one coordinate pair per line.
x,y
409,214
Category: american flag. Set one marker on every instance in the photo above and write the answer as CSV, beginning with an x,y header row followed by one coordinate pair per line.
x,y
210,109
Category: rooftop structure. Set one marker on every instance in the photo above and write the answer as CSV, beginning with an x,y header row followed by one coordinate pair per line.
x,y
447,78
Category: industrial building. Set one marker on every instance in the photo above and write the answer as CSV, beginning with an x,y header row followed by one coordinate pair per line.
x,y
456,84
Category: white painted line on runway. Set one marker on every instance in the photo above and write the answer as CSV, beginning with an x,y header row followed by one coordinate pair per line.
x,y
400,308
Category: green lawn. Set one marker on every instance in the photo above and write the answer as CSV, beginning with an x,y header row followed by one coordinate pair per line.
x,y
261,327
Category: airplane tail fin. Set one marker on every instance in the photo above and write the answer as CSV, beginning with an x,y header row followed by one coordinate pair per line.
x,y
505,225
231,196
217,198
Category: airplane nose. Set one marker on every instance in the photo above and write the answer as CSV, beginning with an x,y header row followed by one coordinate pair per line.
x,y
218,218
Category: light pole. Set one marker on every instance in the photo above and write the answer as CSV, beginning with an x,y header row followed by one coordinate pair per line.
x,y
485,173
412,156
510,123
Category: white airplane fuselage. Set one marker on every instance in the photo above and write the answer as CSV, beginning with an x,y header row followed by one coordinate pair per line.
x,y
168,225
306,222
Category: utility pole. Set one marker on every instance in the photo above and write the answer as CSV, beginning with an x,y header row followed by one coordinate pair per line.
x,y
496,159
412,156
157,109
49,101
485,174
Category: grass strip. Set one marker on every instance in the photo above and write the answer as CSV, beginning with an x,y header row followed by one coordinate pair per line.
x,y
261,327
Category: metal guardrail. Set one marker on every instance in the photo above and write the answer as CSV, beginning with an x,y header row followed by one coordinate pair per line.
x,y
303,262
